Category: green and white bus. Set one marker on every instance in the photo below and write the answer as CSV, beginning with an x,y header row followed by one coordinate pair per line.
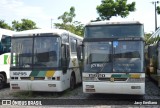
x,y
5,47
114,58
45,60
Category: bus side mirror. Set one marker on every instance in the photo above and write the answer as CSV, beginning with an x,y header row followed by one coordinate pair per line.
x,y
81,52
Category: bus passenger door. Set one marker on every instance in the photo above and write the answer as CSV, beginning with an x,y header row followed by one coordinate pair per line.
x,y
65,57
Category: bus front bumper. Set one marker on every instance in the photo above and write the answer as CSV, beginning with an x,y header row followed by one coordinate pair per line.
x,y
114,88
56,86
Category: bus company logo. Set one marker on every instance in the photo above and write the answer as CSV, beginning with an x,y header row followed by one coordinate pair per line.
x,y
97,75
6,59
20,73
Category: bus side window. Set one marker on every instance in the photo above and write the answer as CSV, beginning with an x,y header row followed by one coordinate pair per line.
x,y
73,43
65,38
6,43
79,50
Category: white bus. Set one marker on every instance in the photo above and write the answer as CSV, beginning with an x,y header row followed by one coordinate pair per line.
x,y
5,45
114,58
45,60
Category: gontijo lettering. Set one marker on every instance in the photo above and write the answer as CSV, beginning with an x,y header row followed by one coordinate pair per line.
x,y
97,75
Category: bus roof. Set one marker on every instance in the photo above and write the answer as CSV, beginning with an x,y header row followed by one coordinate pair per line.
x,y
112,23
44,31
6,32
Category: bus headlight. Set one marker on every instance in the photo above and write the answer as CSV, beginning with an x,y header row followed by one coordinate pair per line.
x,y
88,78
89,86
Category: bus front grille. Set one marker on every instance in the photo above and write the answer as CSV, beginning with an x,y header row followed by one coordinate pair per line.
x,y
34,78
104,79
115,79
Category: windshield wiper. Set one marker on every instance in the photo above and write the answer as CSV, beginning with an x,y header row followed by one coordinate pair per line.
x,y
39,64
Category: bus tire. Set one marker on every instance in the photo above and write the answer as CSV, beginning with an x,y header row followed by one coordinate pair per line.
x,y
72,81
2,80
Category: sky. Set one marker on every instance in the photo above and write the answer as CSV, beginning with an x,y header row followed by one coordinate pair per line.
x,y
42,11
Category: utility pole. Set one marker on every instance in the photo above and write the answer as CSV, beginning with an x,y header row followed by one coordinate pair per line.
x,y
51,23
155,4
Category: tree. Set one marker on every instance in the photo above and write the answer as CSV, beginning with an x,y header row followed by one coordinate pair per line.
x,y
4,25
147,36
110,8
25,24
150,40
68,24
68,17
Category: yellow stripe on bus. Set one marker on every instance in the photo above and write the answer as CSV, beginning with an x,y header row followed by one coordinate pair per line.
x,y
135,76
50,73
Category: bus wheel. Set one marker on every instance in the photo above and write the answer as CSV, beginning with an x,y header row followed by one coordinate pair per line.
x,y
2,81
72,82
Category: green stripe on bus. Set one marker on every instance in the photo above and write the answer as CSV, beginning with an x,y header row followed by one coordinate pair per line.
x,y
120,75
5,59
34,73
41,74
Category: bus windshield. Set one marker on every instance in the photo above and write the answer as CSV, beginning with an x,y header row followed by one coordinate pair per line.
x,y
128,56
37,52
98,56
114,31
113,56
5,44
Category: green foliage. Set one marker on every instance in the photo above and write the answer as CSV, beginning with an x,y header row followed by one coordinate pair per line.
x,y
68,23
146,37
4,25
25,24
158,9
150,40
110,8
68,17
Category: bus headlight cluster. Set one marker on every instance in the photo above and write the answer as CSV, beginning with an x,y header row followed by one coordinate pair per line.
x,y
51,85
15,86
58,78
